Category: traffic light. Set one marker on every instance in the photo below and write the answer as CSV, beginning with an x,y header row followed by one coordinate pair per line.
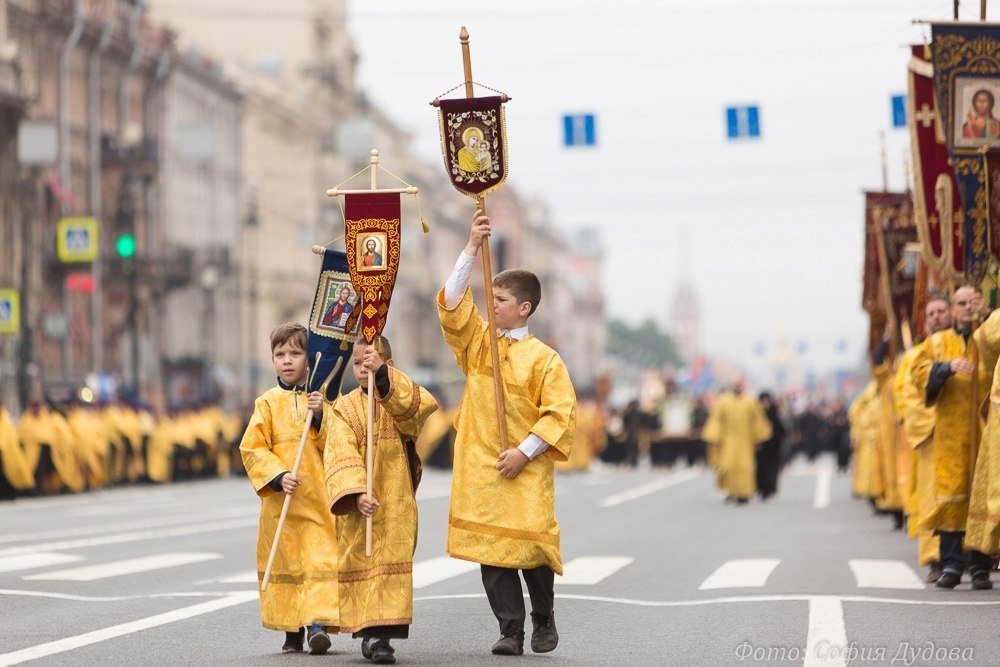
x,y
125,245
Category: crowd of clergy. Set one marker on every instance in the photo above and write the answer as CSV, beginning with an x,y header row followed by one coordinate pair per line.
x,y
926,437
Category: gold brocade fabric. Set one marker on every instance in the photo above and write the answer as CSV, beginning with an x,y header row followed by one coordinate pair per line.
x,y
303,586
376,591
159,453
889,499
954,418
737,424
863,440
494,520
589,429
15,465
982,529
91,437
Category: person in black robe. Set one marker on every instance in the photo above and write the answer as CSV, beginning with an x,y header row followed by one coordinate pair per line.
x,y
769,452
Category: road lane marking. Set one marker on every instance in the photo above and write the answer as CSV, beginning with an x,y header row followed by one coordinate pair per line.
x,y
149,522
248,577
590,570
821,499
885,574
826,630
210,527
31,561
671,480
439,569
123,567
71,643
743,573
736,600
111,598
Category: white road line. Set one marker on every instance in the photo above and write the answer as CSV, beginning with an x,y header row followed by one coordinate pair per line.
x,y
123,567
827,635
210,527
743,573
35,560
438,569
70,643
646,489
150,522
248,577
885,574
738,600
110,598
589,570
821,500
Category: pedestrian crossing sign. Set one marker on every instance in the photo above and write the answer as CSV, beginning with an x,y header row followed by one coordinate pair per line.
x,y
76,240
10,311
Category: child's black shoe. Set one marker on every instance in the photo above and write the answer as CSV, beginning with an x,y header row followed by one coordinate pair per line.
x,y
293,642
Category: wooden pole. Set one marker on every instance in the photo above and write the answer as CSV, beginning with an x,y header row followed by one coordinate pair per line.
x,y
883,260
974,410
982,10
295,473
370,448
463,38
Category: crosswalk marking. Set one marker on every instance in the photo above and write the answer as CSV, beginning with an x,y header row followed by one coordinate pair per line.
x,y
744,573
885,574
33,561
247,577
123,567
435,570
826,634
589,570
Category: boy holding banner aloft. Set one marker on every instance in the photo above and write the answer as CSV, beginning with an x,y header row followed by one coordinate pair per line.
x,y
503,501
376,592
302,590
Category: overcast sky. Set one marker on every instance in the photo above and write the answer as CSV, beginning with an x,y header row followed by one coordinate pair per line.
x,y
774,226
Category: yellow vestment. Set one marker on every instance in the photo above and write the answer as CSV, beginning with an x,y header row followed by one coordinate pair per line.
x,y
737,424
303,586
15,466
918,426
495,520
982,530
954,418
376,591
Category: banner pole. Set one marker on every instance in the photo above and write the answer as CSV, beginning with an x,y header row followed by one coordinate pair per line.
x,y
463,38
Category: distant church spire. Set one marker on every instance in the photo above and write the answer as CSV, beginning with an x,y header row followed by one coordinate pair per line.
x,y
685,310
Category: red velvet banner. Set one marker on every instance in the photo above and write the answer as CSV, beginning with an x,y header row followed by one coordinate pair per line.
x,y
473,143
373,240
937,207
893,212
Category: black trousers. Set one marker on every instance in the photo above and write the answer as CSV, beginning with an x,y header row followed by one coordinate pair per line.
x,y
503,589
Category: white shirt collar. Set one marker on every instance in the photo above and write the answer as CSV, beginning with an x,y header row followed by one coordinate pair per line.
x,y
519,333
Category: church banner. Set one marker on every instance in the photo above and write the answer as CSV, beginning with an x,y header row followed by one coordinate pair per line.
x,y
937,208
333,323
473,143
889,221
373,248
966,60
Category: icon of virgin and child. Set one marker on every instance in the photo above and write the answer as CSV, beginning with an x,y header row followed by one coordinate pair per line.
x,y
473,156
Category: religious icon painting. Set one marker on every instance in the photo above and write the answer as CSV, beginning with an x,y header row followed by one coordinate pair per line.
x,y
333,324
976,117
371,251
473,143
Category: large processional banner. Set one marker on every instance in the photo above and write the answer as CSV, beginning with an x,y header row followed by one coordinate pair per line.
x,y
937,208
966,59
473,143
889,232
373,241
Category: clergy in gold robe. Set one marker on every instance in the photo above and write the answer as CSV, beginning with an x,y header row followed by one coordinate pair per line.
x,y
15,475
943,370
502,513
46,442
376,592
737,425
983,525
918,428
302,591
862,440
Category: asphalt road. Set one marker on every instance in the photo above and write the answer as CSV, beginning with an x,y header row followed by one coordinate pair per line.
x,y
658,571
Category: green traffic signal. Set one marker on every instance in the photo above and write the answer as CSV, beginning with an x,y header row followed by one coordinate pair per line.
x,y
125,245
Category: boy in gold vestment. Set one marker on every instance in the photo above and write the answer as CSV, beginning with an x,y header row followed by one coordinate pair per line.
x,y
376,593
302,590
503,502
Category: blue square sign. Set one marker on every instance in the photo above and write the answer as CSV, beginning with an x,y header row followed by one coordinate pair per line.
x,y
579,130
743,122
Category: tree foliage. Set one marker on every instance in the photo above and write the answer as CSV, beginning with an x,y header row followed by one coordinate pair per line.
x,y
645,343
